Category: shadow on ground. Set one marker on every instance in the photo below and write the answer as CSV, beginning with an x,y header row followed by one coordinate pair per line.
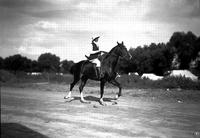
x,y
92,99
15,130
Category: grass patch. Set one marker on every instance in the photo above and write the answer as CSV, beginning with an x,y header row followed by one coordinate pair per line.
x,y
22,77
167,82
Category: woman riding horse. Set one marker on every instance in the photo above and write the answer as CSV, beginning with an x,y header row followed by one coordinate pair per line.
x,y
95,53
85,70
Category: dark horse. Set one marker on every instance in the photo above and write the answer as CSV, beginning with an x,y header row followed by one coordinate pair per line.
x,y
85,70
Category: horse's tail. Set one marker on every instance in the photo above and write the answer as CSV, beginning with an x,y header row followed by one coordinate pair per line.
x,y
72,69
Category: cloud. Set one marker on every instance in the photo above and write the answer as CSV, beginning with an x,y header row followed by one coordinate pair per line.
x,y
23,3
45,36
65,27
173,10
46,26
44,9
174,15
33,50
63,52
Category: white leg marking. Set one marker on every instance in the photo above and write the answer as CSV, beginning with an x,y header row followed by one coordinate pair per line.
x,y
82,98
102,102
69,95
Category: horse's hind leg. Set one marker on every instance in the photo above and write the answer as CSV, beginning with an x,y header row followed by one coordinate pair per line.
x,y
82,84
76,79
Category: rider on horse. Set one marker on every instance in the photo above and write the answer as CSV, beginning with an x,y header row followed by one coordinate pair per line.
x,y
95,53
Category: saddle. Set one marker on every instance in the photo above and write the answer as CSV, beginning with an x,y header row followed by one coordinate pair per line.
x,y
96,59
96,66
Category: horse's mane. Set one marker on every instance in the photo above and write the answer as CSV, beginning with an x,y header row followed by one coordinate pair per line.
x,y
110,52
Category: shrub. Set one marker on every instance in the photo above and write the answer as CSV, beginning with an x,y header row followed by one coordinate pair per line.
x,y
6,76
180,82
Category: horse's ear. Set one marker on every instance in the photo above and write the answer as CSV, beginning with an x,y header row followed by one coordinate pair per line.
x,y
122,43
117,42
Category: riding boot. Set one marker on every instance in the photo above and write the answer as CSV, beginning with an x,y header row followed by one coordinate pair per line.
x,y
98,72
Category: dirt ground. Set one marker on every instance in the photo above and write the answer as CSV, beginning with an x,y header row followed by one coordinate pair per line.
x,y
140,113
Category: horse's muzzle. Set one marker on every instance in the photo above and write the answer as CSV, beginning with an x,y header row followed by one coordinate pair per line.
x,y
128,56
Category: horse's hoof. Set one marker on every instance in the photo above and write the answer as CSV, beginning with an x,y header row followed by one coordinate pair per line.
x,y
66,97
116,97
84,101
69,99
102,103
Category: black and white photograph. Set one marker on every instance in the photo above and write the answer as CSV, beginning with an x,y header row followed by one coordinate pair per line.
x,y
100,68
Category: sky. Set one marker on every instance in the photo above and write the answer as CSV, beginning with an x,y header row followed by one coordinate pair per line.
x,y
66,27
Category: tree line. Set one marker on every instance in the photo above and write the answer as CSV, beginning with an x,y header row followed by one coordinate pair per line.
x,y
181,52
46,62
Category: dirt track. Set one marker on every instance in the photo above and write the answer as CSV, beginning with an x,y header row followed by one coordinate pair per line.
x,y
36,113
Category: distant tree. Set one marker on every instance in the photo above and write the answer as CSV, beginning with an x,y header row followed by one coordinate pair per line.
x,y
155,58
175,63
197,65
49,62
184,45
125,66
35,66
162,56
137,59
196,48
1,63
197,54
17,63
66,65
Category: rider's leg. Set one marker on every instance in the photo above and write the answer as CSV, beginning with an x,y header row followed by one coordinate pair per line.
x,y
98,70
93,56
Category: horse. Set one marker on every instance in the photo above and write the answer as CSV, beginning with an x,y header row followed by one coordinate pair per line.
x,y
85,70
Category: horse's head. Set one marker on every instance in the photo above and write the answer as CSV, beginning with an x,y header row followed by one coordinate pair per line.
x,y
122,51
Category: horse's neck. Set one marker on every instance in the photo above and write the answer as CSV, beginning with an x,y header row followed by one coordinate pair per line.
x,y
111,53
110,60
113,50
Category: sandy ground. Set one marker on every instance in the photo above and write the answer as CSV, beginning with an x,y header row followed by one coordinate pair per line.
x,y
28,112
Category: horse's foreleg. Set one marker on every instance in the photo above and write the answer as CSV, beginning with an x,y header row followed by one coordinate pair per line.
x,y
115,83
69,96
102,83
83,82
